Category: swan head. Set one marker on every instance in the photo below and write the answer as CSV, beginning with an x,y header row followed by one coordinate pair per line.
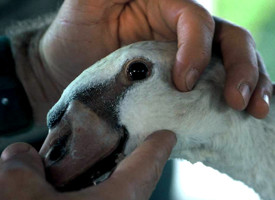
x,y
108,110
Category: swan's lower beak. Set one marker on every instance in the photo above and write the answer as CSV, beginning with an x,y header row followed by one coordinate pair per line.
x,y
81,148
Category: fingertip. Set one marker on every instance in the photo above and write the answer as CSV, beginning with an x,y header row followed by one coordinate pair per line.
x,y
142,169
245,92
24,154
17,148
191,78
185,77
178,77
241,81
234,98
259,106
167,136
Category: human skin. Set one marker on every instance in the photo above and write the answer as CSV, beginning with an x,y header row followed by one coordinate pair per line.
x,y
134,179
86,31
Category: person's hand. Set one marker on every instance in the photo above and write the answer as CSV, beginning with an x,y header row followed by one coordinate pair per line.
x,y
247,82
85,31
22,174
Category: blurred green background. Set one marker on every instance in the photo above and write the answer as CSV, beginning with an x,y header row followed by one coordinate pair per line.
x,y
256,16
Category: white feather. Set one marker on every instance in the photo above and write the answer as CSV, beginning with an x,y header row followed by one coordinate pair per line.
x,y
207,129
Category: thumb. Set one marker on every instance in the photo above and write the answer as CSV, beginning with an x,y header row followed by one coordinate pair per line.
x,y
22,155
137,175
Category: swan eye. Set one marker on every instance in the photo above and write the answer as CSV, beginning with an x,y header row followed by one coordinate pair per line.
x,y
137,70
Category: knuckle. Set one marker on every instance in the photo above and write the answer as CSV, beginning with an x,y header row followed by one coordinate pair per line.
x,y
205,16
202,13
245,34
247,70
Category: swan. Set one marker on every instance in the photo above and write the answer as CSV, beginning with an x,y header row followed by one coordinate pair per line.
x,y
108,110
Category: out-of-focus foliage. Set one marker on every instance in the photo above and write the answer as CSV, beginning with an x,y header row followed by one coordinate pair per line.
x,y
259,18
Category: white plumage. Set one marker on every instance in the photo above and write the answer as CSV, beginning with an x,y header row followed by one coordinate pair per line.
x,y
208,130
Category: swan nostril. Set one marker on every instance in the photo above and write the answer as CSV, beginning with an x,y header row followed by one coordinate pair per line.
x,y
59,149
57,153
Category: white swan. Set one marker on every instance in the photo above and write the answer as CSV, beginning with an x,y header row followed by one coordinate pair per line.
x,y
131,92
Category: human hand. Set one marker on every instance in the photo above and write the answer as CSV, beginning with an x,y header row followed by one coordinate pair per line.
x,y
85,31
22,174
247,82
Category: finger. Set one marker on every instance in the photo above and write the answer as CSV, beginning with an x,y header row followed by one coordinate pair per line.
x,y
22,156
143,168
138,173
195,29
240,62
260,101
22,174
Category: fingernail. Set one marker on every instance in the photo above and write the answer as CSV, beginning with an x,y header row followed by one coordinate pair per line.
x,y
15,149
191,78
266,99
245,92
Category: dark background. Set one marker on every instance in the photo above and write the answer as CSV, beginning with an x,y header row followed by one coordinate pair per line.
x,y
13,10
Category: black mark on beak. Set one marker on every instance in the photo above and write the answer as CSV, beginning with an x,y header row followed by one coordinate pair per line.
x,y
55,115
